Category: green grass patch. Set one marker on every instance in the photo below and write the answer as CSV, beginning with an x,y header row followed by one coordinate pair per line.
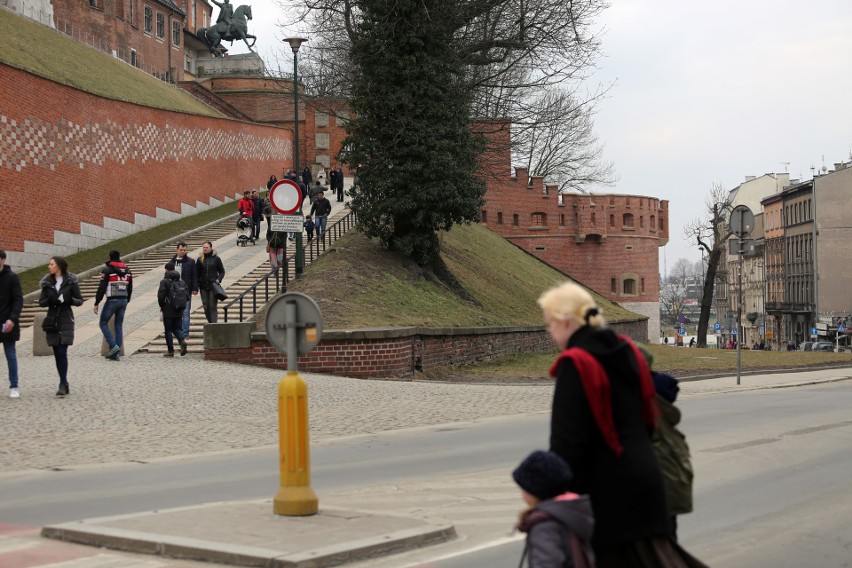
x,y
49,54
360,284
83,260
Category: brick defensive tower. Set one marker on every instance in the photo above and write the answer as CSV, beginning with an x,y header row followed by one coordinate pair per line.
x,y
608,242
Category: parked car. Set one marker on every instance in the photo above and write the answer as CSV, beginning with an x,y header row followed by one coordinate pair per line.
x,y
823,346
806,346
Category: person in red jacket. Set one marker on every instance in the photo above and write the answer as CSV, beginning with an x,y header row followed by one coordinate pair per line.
x,y
116,286
246,205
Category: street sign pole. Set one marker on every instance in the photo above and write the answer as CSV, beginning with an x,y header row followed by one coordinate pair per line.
x,y
742,222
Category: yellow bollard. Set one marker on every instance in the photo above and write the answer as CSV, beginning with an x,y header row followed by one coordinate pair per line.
x,y
295,497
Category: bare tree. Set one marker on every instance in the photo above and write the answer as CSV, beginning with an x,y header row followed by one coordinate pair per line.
x,y
554,138
675,290
710,234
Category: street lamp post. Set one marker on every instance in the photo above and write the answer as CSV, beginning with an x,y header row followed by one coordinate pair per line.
x,y
295,44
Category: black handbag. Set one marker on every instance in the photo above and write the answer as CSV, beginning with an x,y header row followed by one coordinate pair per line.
x,y
219,292
50,324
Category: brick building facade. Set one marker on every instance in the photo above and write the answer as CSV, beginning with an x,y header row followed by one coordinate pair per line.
x,y
97,169
608,242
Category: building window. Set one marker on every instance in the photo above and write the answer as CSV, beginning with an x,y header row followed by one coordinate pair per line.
x,y
97,4
484,216
119,10
641,222
192,14
629,287
161,25
612,220
562,219
661,224
515,220
643,285
539,219
133,59
627,220
132,13
593,219
204,18
321,118
653,223
499,217
341,117
176,33
149,19
613,285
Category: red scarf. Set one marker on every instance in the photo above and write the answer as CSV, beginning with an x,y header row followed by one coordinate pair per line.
x,y
596,384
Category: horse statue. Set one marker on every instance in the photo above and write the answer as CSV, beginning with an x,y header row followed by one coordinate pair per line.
x,y
238,30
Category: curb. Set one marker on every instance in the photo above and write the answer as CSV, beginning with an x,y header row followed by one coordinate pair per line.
x,y
91,532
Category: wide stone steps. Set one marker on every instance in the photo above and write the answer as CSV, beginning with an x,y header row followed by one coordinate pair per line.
x,y
195,340
154,259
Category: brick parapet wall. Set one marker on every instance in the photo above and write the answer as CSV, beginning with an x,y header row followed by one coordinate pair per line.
x,y
92,169
400,352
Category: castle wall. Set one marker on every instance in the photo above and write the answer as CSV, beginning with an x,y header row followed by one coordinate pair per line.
x,y
608,242
78,170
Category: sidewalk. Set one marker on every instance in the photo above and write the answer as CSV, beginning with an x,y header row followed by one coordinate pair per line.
x,y
361,525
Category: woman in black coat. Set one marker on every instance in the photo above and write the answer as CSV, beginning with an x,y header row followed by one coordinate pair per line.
x,y
59,292
604,412
307,176
210,270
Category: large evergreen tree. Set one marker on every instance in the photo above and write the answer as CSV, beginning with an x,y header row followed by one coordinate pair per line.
x,y
410,141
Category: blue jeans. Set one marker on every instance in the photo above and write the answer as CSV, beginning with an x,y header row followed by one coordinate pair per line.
x,y
172,327
321,222
113,308
185,321
12,362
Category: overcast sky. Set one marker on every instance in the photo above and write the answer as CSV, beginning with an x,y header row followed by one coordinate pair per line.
x,y
705,93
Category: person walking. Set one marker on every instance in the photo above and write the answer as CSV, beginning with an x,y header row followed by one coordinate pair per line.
x,y
172,297
272,181
210,271
60,290
117,286
336,180
185,266
11,304
257,213
604,414
320,211
307,177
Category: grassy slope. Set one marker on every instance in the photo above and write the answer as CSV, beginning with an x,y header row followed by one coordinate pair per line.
x,y
47,53
367,286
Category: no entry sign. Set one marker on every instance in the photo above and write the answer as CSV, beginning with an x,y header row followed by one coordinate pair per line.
x,y
285,197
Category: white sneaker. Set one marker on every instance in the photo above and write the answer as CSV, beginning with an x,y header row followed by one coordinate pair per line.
x,y
13,393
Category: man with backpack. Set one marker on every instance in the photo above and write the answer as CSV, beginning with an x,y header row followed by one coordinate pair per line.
x,y
116,286
173,295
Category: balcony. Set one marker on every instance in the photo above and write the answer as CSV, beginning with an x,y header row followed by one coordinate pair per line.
x,y
789,308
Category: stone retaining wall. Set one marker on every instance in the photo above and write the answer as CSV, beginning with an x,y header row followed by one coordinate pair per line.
x,y
391,352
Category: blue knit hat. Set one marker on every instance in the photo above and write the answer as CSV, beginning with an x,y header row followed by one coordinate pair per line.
x,y
543,475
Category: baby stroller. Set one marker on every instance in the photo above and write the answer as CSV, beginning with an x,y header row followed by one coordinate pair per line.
x,y
245,231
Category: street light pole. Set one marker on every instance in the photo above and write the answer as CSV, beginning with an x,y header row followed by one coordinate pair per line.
x,y
295,44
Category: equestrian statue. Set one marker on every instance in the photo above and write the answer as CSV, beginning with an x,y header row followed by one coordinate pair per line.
x,y
230,25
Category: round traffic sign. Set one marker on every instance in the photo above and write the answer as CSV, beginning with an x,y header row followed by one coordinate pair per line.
x,y
742,220
286,197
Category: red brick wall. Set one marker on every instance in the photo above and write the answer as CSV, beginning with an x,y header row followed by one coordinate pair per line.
x,y
79,158
110,27
365,354
577,237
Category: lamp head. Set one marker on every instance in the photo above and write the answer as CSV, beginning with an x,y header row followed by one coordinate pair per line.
x,y
295,43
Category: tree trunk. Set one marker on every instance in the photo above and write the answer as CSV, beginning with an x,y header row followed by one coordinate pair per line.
x,y
707,295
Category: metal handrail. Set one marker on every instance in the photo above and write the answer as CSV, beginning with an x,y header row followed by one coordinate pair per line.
x,y
316,247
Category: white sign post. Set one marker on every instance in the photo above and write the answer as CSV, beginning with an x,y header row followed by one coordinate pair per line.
x,y
287,223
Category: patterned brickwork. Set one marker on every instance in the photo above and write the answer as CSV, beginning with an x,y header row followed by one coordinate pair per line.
x,y
86,170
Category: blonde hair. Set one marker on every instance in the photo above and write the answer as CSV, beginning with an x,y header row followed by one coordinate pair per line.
x,y
570,301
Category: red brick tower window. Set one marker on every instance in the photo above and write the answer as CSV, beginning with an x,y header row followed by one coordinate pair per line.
x,y
484,216
613,285
627,220
161,25
641,222
612,220
539,219
593,219
515,220
653,223
629,287
499,217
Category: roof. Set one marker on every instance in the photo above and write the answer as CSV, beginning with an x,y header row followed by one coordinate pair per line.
x,y
172,6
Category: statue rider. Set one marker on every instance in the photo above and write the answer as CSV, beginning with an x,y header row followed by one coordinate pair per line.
x,y
226,12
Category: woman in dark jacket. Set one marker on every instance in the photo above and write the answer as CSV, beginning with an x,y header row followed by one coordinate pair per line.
x,y
604,412
210,270
59,292
307,176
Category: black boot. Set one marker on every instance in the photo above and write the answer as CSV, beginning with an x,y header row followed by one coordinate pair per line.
x,y
63,390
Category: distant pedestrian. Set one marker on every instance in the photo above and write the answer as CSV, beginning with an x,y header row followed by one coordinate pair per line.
x,y
116,286
11,304
272,181
314,192
309,227
307,177
604,411
336,180
246,206
186,267
666,340
210,271
172,296
275,242
321,210
558,523
692,342
257,213
60,290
